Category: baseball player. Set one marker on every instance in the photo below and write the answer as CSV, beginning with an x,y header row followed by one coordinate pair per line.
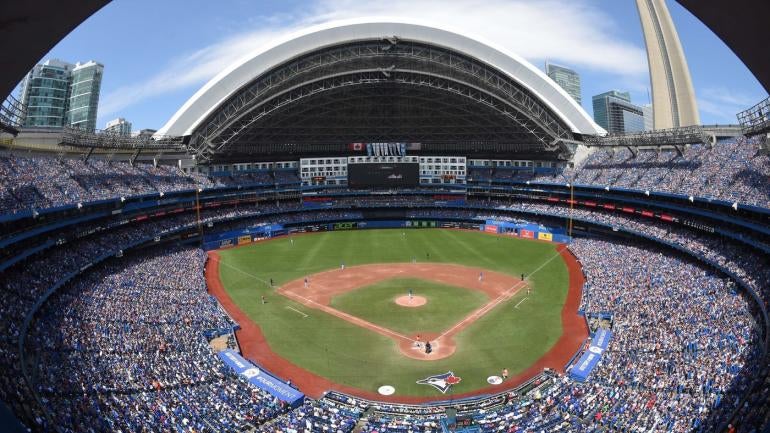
x,y
306,283
410,294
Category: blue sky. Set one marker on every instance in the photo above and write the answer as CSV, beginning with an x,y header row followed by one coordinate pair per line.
x,y
159,53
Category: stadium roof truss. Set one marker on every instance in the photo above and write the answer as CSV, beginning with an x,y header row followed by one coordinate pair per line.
x,y
379,89
676,137
756,120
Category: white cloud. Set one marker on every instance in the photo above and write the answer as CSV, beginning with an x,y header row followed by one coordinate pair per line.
x,y
721,104
575,32
190,70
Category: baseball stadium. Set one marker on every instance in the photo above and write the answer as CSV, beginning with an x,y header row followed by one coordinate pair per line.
x,y
381,225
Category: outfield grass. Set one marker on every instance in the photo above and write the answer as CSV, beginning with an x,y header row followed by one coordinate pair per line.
x,y
446,305
345,353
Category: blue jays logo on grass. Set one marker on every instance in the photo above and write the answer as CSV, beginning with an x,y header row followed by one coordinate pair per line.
x,y
441,382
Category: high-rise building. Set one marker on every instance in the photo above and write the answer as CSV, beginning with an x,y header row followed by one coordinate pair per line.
x,y
84,95
649,120
567,79
45,94
57,93
145,133
614,112
119,126
673,97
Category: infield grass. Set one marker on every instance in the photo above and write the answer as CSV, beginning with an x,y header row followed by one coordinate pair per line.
x,y
506,337
375,303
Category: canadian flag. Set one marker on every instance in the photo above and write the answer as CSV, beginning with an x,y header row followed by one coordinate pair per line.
x,y
356,147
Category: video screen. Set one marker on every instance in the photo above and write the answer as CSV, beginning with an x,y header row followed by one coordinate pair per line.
x,y
384,175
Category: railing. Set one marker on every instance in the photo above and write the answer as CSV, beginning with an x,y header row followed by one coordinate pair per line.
x,y
662,137
12,113
756,120
109,140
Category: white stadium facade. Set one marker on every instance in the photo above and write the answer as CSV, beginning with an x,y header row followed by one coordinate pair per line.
x,y
364,55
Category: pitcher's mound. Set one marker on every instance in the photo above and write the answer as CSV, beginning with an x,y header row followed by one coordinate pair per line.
x,y
414,301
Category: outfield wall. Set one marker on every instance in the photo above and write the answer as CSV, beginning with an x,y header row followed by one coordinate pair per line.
x,y
527,231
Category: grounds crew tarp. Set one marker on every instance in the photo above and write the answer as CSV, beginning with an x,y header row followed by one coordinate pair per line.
x,y
261,379
590,359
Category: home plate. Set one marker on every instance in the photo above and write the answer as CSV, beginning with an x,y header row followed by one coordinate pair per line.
x,y
386,390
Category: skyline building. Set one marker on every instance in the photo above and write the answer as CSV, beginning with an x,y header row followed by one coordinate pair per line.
x,y
119,126
45,94
567,79
649,121
86,83
147,132
56,93
614,112
673,97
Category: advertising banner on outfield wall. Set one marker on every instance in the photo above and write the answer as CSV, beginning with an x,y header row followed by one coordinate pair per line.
x,y
240,237
261,379
529,231
590,359
490,228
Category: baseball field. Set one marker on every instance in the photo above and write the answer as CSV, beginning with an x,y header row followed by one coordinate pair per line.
x,y
353,310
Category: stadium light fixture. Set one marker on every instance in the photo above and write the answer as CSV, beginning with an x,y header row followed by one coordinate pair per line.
x,y
692,199
606,188
80,205
122,199
161,193
527,182
735,206
200,190
647,193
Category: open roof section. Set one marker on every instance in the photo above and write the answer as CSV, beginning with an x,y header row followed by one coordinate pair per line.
x,y
379,80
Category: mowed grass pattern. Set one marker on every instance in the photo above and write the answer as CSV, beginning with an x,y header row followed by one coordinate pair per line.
x,y
446,305
506,337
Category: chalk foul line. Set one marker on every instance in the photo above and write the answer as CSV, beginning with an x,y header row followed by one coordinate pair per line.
x,y
296,310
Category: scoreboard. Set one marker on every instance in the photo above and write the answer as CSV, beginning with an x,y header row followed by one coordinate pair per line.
x,y
384,175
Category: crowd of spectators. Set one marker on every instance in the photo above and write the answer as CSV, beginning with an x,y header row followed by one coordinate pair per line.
x,y
685,344
122,347
41,182
731,170
315,416
38,182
